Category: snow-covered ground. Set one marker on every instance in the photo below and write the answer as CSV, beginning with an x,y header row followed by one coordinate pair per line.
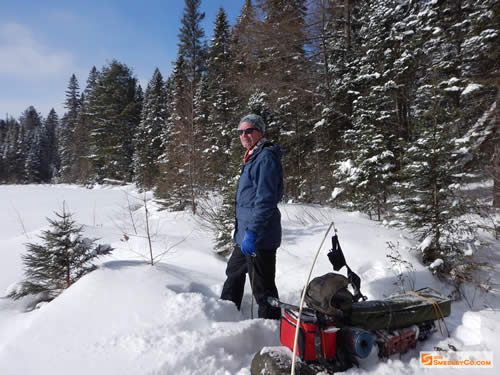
x,y
129,317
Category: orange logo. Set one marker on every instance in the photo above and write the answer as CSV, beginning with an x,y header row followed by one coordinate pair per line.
x,y
426,359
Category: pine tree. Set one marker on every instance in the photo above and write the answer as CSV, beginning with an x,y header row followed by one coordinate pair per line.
x,y
63,257
11,129
331,112
132,117
496,159
149,147
365,172
84,128
224,220
284,73
224,152
183,169
281,45
51,150
115,115
68,124
191,45
481,69
244,50
432,203
33,163
222,103
172,186
12,142
3,137
259,103
29,156
203,134
80,168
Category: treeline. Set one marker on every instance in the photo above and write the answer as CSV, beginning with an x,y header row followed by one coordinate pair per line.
x,y
385,106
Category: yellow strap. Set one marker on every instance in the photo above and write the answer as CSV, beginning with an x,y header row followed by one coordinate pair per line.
x,y
437,310
323,345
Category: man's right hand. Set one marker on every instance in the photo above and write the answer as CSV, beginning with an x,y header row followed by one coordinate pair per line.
x,y
248,246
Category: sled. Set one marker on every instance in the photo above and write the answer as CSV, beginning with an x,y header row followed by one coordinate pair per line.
x,y
338,328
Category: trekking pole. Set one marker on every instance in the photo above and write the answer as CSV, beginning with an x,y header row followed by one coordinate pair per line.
x,y
302,300
251,284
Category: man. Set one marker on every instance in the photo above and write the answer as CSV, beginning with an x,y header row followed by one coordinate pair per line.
x,y
258,220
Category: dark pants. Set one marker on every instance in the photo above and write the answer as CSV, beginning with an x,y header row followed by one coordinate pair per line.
x,y
264,286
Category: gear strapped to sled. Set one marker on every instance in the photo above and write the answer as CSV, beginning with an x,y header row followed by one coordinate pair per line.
x,y
338,328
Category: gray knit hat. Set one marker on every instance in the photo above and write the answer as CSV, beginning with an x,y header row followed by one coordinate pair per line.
x,y
256,121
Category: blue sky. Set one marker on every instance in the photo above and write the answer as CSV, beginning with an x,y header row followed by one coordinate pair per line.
x,y
43,42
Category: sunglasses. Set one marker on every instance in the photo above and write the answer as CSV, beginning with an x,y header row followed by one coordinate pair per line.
x,y
246,131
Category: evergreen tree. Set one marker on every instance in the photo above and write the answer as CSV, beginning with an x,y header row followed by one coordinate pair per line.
x,y
224,220
8,147
68,125
84,128
3,136
203,134
191,45
10,151
244,49
63,257
149,146
29,156
33,162
173,183
281,45
259,103
365,172
481,69
132,118
51,150
432,203
224,151
3,130
80,168
284,73
327,115
115,117
183,167
222,102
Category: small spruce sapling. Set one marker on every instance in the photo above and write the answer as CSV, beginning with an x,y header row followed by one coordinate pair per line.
x,y
63,257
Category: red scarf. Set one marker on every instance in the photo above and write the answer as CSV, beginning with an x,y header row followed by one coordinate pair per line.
x,y
249,152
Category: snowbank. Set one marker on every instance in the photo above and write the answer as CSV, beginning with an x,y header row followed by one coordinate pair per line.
x,y
129,317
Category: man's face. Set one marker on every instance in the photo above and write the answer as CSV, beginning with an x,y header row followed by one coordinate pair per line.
x,y
248,140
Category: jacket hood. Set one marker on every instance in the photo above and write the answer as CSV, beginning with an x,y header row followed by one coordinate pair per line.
x,y
265,145
275,149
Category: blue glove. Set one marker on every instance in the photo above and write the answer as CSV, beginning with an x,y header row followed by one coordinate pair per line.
x,y
248,244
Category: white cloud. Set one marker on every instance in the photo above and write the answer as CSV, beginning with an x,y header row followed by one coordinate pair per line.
x,y
25,57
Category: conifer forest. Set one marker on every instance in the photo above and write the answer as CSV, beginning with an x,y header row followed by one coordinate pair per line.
x,y
387,107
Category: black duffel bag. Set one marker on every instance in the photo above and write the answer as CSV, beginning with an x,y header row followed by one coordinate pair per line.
x,y
400,310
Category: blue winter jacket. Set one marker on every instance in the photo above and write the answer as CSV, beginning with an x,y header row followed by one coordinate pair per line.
x,y
259,190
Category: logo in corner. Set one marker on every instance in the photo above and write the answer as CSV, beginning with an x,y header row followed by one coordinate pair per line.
x,y
426,359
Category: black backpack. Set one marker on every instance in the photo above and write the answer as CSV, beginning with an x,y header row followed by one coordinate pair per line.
x,y
329,295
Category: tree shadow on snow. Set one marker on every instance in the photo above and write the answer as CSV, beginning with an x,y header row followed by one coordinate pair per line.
x,y
119,264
